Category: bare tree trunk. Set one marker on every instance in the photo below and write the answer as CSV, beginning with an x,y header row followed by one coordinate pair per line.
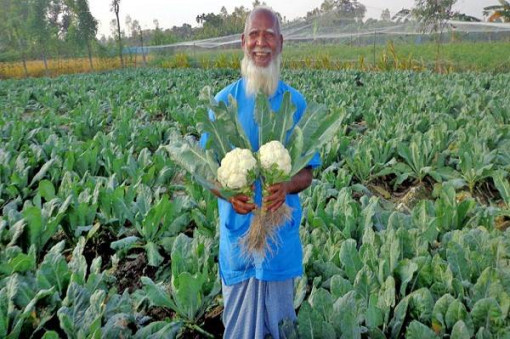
x,y
24,58
45,60
22,49
119,39
89,49
143,49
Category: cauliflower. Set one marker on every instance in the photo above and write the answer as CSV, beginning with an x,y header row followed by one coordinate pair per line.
x,y
274,153
235,167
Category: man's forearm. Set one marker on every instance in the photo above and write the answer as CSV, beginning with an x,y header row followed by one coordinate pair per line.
x,y
301,181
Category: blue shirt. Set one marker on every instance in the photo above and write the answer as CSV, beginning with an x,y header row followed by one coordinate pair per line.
x,y
285,261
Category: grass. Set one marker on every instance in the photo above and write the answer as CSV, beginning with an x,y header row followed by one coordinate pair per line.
x,y
454,57
56,67
462,56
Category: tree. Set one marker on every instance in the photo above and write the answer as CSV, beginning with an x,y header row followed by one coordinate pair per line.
x,y
464,17
385,15
404,15
346,11
14,28
115,7
137,31
86,27
39,28
498,12
433,16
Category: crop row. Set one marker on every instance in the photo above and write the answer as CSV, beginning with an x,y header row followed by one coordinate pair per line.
x,y
406,223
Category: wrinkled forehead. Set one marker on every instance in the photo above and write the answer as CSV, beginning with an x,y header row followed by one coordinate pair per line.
x,y
262,20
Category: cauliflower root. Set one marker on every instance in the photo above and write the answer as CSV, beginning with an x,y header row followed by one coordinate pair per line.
x,y
263,231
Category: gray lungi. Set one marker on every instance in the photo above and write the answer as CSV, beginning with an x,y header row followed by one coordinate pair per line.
x,y
254,308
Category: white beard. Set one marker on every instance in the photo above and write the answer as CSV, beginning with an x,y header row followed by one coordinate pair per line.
x,y
264,79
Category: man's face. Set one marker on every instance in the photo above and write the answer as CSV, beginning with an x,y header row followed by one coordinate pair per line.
x,y
262,42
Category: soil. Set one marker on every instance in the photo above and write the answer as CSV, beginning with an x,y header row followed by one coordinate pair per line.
x,y
99,246
130,271
213,323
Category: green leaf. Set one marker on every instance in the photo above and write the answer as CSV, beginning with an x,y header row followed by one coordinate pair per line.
x,y
72,313
502,185
460,331
119,326
486,313
487,285
153,256
318,128
312,325
439,312
23,262
160,329
54,271
118,304
157,294
374,316
199,163
405,271
300,290
28,311
484,333
295,147
347,322
387,294
274,125
222,130
339,286
125,243
457,261
456,311
4,313
42,172
421,304
78,263
398,317
34,220
350,259
322,302
365,284
50,335
288,329
46,190
417,330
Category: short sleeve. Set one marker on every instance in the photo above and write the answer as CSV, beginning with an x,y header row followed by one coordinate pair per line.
x,y
316,161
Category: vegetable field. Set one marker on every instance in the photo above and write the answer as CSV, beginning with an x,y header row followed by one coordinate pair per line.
x,y
405,230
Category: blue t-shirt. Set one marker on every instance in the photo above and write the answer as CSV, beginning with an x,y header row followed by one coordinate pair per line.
x,y
285,261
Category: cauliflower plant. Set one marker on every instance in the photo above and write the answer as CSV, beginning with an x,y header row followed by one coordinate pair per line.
x,y
237,168
273,157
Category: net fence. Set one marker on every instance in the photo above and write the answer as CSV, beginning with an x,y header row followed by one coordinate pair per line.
x,y
325,31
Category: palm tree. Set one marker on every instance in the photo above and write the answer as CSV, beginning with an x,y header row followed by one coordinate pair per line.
x,y
498,12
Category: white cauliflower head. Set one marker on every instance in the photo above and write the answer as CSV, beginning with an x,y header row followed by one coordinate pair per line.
x,y
233,172
274,152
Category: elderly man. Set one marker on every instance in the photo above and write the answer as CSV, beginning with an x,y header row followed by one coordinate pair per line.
x,y
259,295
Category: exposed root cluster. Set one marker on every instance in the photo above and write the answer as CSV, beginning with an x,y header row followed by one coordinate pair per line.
x,y
263,231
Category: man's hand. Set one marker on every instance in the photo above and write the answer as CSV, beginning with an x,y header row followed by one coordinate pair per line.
x,y
241,205
276,197
278,192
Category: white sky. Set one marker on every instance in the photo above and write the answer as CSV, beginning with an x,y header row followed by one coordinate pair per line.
x,y
176,12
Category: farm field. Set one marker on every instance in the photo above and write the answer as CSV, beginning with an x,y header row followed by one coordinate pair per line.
x,y
406,224
491,57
